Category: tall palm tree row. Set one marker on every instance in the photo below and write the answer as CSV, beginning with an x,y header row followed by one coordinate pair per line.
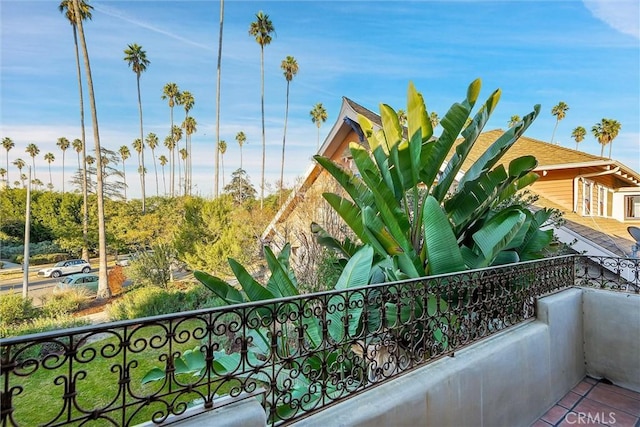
x,y
103,288
289,68
163,161
187,101
578,135
171,93
78,148
136,57
138,147
63,143
223,149
75,15
124,155
219,72
261,29
241,138
50,158
560,111
152,143
7,144
33,151
190,127
318,116
605,132
19,163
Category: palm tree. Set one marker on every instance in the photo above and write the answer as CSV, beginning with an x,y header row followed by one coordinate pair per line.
x,y
103,288
63,143
218,79
124,155
605,132
171,93
289,67
578,134
75,15
435,120
163,161
190,127
241,138
318,116
223,149
19,163
138,146
402,117
261,29
49,158
7,144
152,142
78,147
3,174
513,121
187,100
137,60
33,151
560,111
177,136
184,154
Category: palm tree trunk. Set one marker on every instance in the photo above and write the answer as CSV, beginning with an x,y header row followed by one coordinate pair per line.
x,y
173,157
284,136
263,135
554,131
164,182
63,151
215,185
124,176
610,146
142,174
155,168
103,288
50,178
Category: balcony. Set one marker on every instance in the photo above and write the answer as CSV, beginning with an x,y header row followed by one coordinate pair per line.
x,y
497,346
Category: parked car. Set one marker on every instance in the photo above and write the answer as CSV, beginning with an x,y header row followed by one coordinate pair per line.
x,y
66,267
88,282
124,260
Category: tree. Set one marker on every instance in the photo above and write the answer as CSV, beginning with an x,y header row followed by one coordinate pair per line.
x,y
262,29
103,288
241,138
515,119
218,79
33,151
75,15
578,135
435,120
152,142
19,163
187,100
289,67
7,144
78,147
184,155
63,143
190,127
223,149
124,155
240,187
170,143
163,161
138,146
177,136
318,116
137,60
3,174
402,117
605,132
171,93
49,158
560,111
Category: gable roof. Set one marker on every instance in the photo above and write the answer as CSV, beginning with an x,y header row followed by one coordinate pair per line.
x,y
606,233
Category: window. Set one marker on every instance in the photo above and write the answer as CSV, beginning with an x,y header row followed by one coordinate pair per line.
x,y
632,207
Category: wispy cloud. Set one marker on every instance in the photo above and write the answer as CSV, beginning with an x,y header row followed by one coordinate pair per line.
x,y
621,15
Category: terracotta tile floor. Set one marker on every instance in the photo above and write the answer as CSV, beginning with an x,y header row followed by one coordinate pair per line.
x,y
594,403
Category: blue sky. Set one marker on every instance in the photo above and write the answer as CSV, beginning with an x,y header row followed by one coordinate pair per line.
x,y
585,53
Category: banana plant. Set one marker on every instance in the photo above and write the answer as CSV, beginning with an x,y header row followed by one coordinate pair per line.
x,y
403,201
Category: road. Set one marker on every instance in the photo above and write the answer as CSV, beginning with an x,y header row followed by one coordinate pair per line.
x,y
38,286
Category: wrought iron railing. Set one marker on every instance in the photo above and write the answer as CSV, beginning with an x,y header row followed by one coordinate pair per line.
x,y
298,355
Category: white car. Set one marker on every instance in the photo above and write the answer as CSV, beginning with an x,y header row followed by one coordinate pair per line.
x,y
66,267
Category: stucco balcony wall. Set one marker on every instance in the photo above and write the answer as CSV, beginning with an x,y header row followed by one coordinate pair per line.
x,y
510,379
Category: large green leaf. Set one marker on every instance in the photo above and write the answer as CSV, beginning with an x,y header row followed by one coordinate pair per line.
x,y
349,212
443,254
353,185
219,287
497,233
253,289
391,126
419,128
356,272
279,284
347,248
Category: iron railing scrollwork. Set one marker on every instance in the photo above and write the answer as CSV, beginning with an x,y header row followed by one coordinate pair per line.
x,y
298,354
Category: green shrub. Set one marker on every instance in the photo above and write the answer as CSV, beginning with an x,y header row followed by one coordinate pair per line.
x,y
43,258
153,301
11,250
15,309
64,303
